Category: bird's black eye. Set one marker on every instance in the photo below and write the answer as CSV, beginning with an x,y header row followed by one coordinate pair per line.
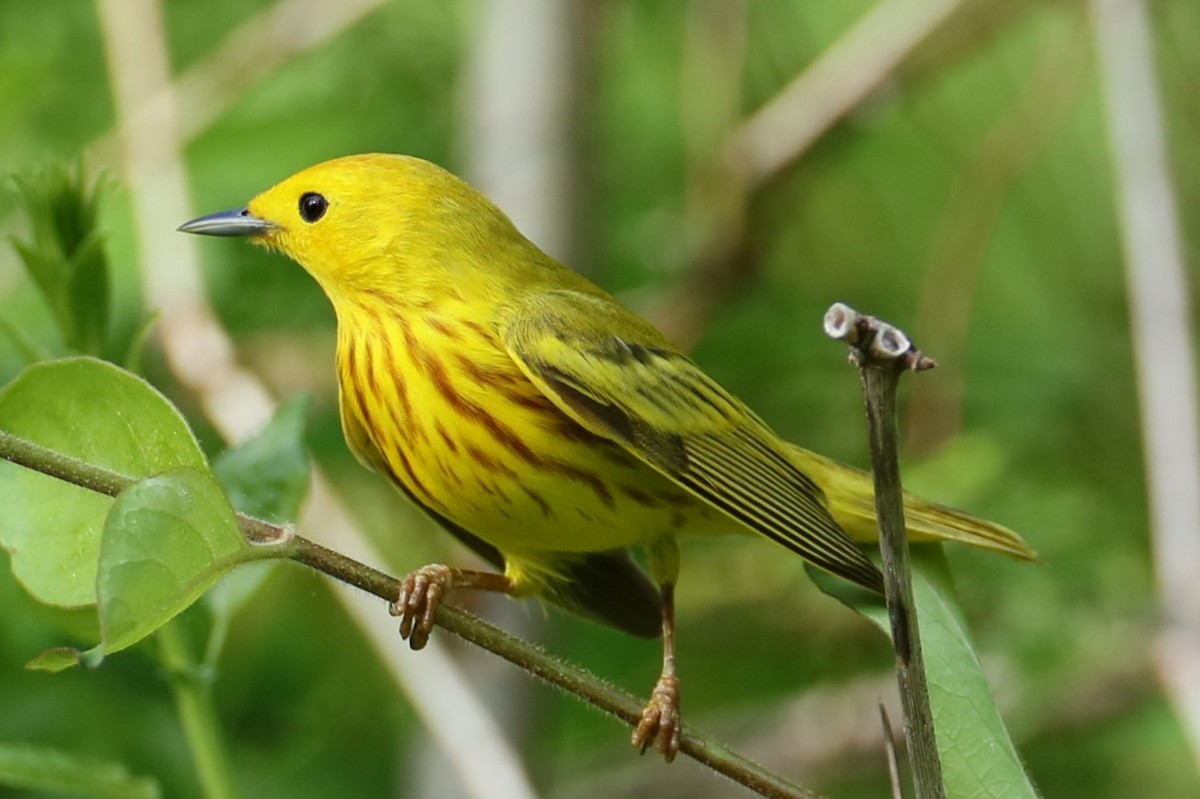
x,y
312,206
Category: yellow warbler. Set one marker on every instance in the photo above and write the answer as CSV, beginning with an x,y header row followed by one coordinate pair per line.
x,y
537,419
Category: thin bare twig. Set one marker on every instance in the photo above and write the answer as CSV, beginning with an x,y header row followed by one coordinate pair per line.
x,y
889,753
882,353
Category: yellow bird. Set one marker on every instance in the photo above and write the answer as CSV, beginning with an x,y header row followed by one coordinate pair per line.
x,y
541,422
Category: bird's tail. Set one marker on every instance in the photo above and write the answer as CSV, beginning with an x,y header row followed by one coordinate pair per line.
x,y
850,494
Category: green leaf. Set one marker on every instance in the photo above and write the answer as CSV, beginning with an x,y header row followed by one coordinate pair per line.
x,y
38,768
167,539
60,658
978,757
267,476
99,414
47,273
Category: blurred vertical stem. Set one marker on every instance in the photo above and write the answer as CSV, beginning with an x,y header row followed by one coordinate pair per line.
x,y
523,109
154,116
1163,336
882,353
197,715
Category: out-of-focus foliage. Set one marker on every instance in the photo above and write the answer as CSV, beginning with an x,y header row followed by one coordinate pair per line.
x,y
968,200
64,255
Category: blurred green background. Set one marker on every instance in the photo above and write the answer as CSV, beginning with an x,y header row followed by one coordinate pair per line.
x,y
968,197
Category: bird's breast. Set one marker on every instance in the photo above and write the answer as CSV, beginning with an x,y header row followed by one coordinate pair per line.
x,y
468,435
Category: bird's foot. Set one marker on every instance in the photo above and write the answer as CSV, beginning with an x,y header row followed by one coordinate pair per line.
x,y
661,724
420,594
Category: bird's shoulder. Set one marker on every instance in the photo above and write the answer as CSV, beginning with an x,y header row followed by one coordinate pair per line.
x,y
616,375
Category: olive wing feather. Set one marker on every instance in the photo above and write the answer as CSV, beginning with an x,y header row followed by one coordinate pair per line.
x,y
616,376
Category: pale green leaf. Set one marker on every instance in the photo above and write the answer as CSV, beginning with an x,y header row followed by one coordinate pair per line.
x,y
267,476
54,660
104,416
167,539
42,769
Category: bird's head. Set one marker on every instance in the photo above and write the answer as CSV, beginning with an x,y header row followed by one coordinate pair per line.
x,y
372,224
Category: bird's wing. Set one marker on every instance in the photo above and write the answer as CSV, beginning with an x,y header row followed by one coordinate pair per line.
x,y
614,375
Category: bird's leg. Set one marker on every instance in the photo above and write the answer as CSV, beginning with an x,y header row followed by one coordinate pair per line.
x,y
661,724
422,591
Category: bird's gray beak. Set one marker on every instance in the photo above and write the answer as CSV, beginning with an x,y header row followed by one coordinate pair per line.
x,y
237,222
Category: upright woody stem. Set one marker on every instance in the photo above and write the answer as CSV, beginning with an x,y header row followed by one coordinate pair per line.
x,y
882,353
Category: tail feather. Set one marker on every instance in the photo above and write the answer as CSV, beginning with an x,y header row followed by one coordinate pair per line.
x,y
850,494
609,588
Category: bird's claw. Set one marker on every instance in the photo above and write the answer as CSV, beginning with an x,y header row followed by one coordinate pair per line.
x,y
420,594
661,724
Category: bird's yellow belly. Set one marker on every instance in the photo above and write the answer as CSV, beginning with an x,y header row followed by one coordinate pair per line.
x,y
551,494
471,438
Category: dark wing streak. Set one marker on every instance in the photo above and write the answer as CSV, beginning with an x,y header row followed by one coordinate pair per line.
x,y
772,484
810,488
655,398
709,443
785,475
753,467
814,536
712,483
737,483
785,480
752,514
854,566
